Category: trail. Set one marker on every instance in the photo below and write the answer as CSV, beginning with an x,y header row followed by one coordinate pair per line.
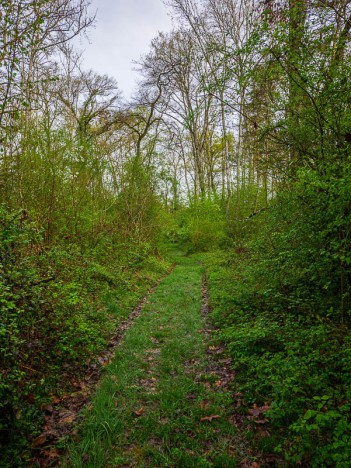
x,y
166,398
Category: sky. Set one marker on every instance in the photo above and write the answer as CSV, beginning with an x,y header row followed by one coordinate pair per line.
x,y
122,33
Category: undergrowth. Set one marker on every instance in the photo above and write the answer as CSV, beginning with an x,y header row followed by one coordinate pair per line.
x,y
299,364
58,308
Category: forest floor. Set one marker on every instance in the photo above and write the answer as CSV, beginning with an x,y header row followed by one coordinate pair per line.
x,y
167,395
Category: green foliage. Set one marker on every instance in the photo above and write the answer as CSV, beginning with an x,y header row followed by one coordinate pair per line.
x,y
242,207
139,208
20,303
58,307
282,302
202,226
298,364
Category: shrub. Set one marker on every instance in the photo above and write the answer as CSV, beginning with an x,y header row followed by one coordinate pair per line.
x,y
202,226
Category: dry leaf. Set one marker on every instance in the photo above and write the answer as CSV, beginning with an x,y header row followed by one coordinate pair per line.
x,y
48,409
69,419
40,440
261,421
52,453
139,412
254,411
218,383
210,418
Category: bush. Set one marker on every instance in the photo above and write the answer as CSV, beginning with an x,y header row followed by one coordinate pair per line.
x,y
202,226
58,307
282,302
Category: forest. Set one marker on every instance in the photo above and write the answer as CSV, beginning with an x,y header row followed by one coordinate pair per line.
x,y
228,171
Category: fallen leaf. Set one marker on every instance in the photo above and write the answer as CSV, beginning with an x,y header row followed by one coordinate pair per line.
x,y
52,453
139,412
48,409
213,348
261,421
258,410
40,440
210,418
218,383
55,400
68,419
254,411
204,404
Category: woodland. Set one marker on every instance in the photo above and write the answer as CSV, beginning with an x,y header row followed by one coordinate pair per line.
x,y
234,151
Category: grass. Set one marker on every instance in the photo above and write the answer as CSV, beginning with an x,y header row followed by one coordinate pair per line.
x,y
148,409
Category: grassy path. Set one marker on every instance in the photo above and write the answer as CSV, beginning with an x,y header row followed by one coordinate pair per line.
x,y
149,409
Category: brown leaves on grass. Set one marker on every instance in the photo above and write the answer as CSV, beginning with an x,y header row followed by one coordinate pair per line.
x,y
139,412
40,440
210,418
52,453
257,413
213,348
68,418
55,400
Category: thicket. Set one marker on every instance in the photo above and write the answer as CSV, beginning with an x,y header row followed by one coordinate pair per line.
x,y
281,300
59,306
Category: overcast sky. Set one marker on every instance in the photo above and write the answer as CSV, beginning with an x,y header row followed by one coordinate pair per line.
x,y
123,32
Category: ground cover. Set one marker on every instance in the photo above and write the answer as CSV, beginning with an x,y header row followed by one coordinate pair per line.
x,y
160,404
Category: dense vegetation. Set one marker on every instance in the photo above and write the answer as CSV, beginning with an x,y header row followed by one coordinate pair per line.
x,y
237,146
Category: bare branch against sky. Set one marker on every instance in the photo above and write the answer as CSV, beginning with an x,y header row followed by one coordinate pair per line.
x,y
123,32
